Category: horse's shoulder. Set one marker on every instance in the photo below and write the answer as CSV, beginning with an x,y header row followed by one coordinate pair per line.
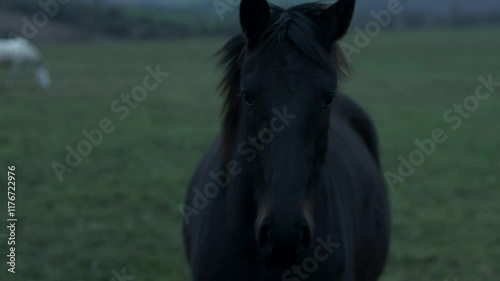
x,y
359,120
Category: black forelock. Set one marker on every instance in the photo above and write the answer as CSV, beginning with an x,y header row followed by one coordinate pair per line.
x,y
295,26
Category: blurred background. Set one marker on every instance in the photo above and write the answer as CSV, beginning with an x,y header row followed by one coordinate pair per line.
x,y
173,19
116,208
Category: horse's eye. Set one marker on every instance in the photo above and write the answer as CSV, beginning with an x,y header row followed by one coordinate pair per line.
x,y
248,99
328,101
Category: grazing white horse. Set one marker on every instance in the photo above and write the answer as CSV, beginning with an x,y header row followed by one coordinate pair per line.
x,y
19,53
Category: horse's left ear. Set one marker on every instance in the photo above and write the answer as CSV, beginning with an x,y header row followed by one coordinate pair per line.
x,y
254,19
336,20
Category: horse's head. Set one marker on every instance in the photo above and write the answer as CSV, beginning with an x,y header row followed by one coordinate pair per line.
x,y
288,79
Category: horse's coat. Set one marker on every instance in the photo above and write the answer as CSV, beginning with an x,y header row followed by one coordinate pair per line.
x,y
308,203
18,53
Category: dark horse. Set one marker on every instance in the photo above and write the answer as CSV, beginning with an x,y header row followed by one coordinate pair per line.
x,y
292,189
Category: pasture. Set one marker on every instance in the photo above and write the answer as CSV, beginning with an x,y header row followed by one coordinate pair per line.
x,y
119,207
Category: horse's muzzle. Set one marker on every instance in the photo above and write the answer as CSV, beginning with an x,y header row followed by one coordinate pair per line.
x,y
284,242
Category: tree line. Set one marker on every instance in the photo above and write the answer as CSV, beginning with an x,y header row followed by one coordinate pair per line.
x,y
142,23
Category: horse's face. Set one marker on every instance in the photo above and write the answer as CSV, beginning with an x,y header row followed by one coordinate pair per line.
x,y
287,103
286,97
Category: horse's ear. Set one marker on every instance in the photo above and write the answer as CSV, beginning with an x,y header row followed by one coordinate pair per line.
x,y
336,20
254,19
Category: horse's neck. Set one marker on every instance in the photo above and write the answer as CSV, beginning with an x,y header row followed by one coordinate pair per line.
x,y
19,49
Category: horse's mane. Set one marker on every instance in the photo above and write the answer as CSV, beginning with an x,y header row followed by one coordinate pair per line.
x,y
294,25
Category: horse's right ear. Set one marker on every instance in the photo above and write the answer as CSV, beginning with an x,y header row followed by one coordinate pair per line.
x,y
254,19
336,19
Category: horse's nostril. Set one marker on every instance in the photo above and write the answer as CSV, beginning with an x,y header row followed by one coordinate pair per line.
x,y
263,235
292,238
306,237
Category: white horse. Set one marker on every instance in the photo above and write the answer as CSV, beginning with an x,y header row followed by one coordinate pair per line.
x,y
19,53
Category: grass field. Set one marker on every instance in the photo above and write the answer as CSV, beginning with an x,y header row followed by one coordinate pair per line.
x,y
118,209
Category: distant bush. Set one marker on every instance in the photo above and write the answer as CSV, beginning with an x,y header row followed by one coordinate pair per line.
x,y
110,20
155,23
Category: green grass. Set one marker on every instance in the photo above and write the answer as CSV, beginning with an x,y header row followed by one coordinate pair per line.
x,y
119,207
